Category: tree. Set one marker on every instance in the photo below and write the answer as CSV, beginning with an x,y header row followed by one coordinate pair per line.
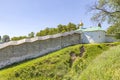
x,y
117,35
5,38
18,38
99,24
107,10
113,29
30,35
41,33
0,38
71,26
60,29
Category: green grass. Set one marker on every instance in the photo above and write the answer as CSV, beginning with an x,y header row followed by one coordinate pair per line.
x,y
104,67
56,65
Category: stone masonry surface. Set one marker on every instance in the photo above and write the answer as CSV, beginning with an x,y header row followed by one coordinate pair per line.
x,y
16,51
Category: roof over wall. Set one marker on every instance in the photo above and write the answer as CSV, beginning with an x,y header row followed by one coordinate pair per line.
x,y
90,29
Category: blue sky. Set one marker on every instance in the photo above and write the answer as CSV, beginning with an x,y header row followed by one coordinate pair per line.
x,y
20,17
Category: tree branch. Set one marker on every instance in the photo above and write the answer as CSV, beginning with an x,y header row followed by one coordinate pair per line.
x,y
105,11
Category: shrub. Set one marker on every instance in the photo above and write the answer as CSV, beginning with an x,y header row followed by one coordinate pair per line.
x,y
117,35
5,38
18,38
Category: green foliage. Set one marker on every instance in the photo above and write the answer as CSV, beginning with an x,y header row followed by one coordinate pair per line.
x,y
117,35
0,38
92,51
113,29
104,67
49,31
108,10
18,38
30,35
56,65
71,26
60,29
5,38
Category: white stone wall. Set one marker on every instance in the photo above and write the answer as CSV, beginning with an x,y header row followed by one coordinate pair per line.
x,y
93,37
16,51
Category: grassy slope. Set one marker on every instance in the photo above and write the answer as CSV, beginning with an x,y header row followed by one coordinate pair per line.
x,y
104,67
55,66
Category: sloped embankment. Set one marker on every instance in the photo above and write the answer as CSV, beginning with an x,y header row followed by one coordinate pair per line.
x,y
67,64
104,67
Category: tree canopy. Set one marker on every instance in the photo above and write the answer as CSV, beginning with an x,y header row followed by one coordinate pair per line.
x,y
113,29
59,29
49,31
18,38
5,38
30,35
107,10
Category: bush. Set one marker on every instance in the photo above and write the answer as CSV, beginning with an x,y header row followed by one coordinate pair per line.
x,y
5,38
31,35
18,38
117,35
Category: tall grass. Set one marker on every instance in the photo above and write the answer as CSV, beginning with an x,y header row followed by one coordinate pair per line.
x,y
104,67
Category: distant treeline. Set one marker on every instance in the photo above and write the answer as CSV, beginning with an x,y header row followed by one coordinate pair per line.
x,y
47,31
60,29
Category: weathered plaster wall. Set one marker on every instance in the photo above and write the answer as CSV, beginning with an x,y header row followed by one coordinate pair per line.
x,y
16,51
93,37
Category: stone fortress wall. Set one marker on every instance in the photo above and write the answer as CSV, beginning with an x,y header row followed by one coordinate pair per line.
x,y
16,51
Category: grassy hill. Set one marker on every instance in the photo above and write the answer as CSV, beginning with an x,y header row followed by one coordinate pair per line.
x,y
66,64
104,67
